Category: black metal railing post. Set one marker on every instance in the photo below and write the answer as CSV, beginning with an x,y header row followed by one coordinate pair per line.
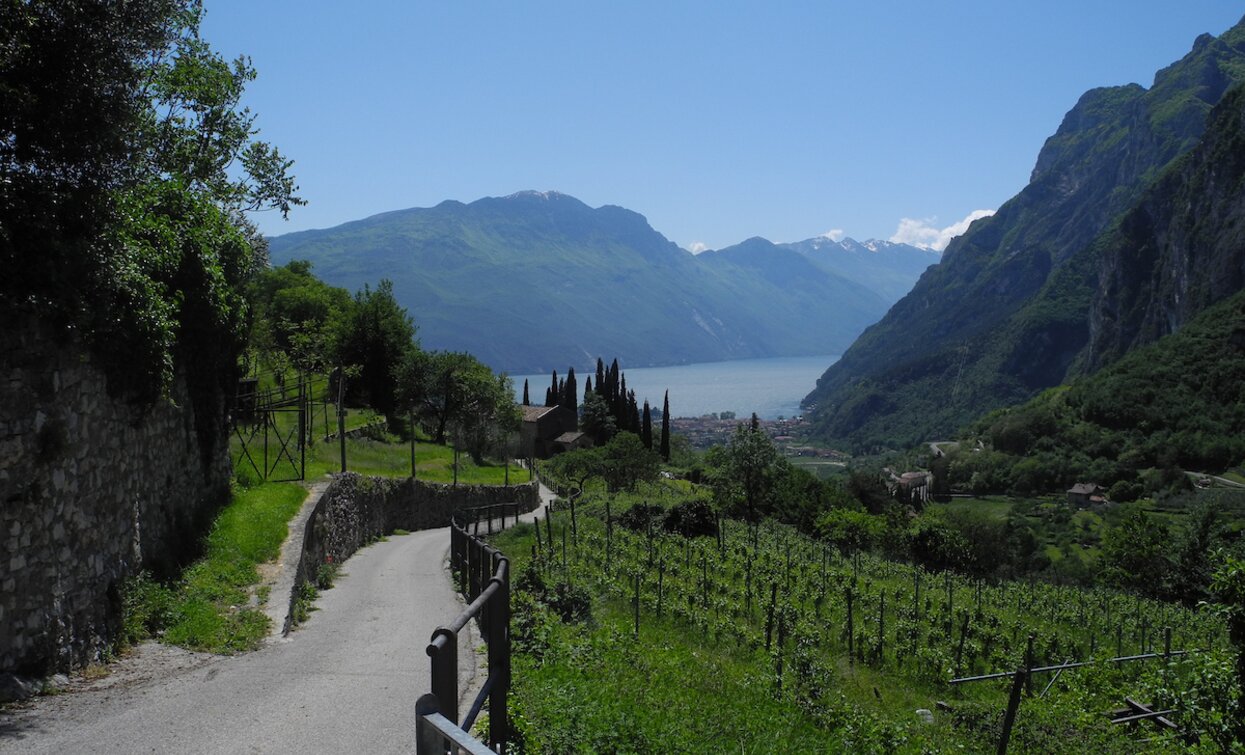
x,y
443,650
499,654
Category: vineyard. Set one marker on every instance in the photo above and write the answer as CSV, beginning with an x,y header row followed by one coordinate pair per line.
x,y
846,646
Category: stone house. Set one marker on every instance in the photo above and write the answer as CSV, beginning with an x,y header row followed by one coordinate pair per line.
x,y
543,428
910,487
1086,494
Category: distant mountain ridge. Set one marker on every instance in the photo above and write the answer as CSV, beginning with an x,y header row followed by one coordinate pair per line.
x,y
538,280
1024,300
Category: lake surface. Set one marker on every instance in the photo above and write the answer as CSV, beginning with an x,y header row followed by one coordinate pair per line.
x,y
769,387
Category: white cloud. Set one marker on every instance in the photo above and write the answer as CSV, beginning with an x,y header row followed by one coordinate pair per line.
x,y
835,235
926,235
697,247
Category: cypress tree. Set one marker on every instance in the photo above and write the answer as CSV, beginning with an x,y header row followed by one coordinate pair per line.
x,y
611,394
622,410
646,429
572,392
548,397
600,378
665,427
553,391
587,387
526,401
633,413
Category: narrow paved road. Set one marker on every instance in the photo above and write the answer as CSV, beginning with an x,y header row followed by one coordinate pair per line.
x,y
346,681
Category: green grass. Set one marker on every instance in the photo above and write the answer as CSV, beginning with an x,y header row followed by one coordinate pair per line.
x,y
387,458
209,607
996,507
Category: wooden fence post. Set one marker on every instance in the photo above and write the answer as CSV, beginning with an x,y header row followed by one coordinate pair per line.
x,y
851,631
661,575
1013,702
637,604
769,620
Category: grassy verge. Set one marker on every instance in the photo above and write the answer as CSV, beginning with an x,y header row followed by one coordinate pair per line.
x,y
210,608
385,458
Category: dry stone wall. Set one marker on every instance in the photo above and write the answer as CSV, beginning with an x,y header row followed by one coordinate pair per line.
x,y
92,490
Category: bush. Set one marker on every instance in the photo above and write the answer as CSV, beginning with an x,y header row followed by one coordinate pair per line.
x,y
147,608
640,516
692,518
1125,491
572,603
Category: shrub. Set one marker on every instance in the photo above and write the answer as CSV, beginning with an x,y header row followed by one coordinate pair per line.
x,y
692,518
147,608
640,516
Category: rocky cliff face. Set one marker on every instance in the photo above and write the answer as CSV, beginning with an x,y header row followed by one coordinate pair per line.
x,y
1006,312
1181,249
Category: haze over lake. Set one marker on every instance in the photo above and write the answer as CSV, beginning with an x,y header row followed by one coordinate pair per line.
x,y
769,387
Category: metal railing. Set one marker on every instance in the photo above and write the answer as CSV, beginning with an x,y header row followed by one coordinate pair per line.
x,y
484,580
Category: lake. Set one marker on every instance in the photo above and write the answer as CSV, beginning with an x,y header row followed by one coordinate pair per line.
x,y
769,387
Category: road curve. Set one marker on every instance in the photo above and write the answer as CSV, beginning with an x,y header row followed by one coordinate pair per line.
x,y
346,681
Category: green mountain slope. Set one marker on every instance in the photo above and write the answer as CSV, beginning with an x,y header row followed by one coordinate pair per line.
x,y
1178,402
536,281
1007,312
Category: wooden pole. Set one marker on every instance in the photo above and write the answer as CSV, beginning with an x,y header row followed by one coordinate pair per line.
x,y
341,418
1013,701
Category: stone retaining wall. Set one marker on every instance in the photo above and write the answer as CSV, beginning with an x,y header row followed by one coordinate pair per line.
x,y
92,490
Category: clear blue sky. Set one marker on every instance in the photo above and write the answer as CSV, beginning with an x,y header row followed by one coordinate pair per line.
x,y
718,121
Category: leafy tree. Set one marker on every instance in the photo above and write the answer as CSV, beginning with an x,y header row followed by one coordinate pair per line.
x,y
622,463
449,380
626,462
296,313
377,335
486,414
578,466
938,545
596,419
126,164
850,531
746,471
1189,579
412,383
867,488
1135,553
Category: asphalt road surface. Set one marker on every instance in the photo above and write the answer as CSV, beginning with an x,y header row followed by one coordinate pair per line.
x,y
346,681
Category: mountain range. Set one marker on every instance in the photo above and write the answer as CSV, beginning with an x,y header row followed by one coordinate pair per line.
x,y
539,280
1131,225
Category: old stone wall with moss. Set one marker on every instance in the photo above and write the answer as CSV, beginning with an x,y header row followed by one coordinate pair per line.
x,y
93,489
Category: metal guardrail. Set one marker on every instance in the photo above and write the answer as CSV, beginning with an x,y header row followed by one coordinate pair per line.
x,y
484,580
